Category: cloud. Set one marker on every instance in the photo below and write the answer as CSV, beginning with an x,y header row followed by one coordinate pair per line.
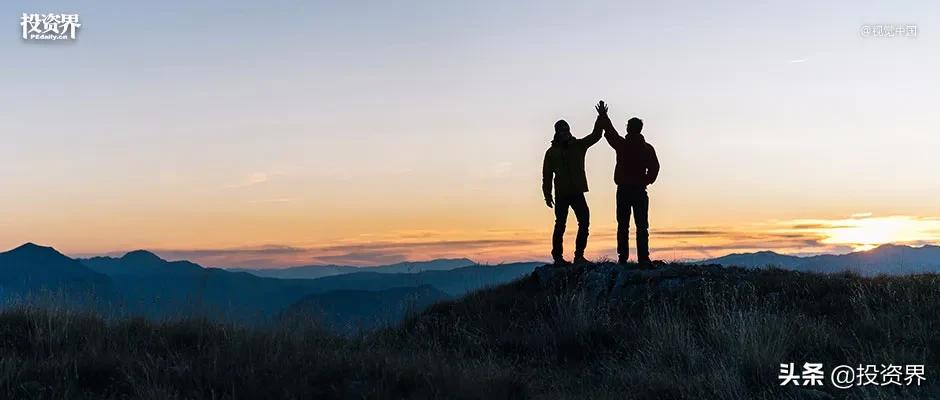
x,y
798,236
863,231
506,246
812,226
689,233
741,242
276,200
365,258
502,168
399,171
240,256
268,250
357,254
250,180
426,245
798,61
492,171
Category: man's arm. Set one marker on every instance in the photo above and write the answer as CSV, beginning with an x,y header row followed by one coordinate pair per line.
x,y
547,179
595,135
610,133
652,170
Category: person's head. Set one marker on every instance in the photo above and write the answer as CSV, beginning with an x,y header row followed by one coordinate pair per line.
x,y
634,125
562,132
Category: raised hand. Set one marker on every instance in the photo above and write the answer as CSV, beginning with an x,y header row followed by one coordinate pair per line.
x,y
601,108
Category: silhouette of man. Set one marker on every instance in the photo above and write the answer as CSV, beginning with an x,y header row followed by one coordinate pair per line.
x,y
564,165
637,167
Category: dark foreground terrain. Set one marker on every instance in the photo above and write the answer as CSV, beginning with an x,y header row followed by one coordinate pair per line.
x,y
597,332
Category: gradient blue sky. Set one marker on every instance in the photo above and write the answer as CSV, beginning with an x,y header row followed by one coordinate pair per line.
x,y
288,132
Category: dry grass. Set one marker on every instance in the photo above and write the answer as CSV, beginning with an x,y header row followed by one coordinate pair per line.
x,y
723,338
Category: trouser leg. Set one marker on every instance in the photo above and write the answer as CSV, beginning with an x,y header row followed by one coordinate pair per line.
x,y
641,208
558,235
583,214
623,222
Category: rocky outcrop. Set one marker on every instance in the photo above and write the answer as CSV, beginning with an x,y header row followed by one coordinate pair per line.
x,y
611,281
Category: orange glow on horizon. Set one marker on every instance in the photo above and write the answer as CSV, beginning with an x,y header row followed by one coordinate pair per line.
x,y
801,236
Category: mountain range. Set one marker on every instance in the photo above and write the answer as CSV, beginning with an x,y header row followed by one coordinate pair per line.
x,y
32,271
886,259
152,286
345,298
455,282
319,271
142,283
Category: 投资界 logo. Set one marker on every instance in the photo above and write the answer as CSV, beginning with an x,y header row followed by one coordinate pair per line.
x,y
49,26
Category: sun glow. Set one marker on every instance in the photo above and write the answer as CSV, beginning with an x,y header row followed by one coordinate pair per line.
x,y
866,233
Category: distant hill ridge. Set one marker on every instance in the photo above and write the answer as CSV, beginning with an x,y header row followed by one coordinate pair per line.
x,y
30,269
885,259
142,283
319,271
140,262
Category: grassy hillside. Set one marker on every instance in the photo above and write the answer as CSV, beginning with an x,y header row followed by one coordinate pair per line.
x,y
455,282
352,311
593,332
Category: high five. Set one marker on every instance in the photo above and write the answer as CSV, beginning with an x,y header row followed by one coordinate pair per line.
x,y
637,167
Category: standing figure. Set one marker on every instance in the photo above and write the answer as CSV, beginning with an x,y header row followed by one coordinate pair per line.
x,y
637,168
564,166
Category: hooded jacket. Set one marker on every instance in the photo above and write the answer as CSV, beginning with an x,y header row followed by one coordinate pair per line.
x,y
564,161
637,164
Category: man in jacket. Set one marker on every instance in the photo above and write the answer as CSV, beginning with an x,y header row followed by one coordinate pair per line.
x,y
564,165
637,167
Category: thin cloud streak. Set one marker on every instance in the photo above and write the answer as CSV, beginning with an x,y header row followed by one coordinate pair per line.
x,y
803,237
356,254
277,200
250,180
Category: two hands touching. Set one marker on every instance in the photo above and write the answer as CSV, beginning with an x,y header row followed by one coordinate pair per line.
x,y
602,119
601,108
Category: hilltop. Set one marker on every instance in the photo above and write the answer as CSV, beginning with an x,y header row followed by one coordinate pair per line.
x,y
596,331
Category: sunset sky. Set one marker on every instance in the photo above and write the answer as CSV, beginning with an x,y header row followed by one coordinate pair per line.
x,y
276,133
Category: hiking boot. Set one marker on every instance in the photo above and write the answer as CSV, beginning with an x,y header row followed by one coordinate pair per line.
x,y
561,262
623,260
580,260
646,263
